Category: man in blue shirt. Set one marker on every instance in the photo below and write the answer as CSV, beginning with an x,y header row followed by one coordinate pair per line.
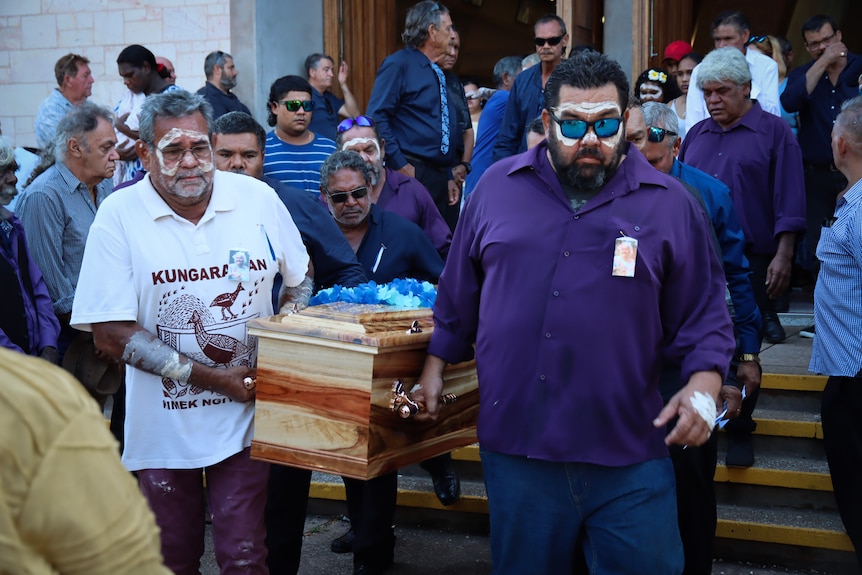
x,y
816,91
328,108
838,317
388,247
527,97
221,79
571,421
505,71
294,153
653,129
412,109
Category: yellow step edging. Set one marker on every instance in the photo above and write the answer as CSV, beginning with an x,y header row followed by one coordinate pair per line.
x,y
793,382
406,498
784,535
774,478
788,428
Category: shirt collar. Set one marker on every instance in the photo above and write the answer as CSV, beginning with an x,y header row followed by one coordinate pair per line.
x,y
156,207
853,195
634,171
750,121
71,180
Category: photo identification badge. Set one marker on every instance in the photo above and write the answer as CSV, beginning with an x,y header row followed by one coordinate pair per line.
x,y
625,257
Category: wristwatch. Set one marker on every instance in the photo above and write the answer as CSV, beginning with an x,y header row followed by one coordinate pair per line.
x,y
748,357
467,166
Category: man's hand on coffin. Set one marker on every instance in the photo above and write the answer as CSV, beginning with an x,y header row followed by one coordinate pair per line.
x,y
429,388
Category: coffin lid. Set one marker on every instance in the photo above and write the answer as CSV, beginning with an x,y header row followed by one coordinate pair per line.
x,y
368,324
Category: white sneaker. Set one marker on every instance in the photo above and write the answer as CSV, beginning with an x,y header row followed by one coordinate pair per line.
x,y
807,333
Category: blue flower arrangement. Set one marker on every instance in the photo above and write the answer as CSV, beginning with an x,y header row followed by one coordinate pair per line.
x,y
409,293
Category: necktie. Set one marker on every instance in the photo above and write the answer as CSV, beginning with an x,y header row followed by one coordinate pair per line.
x,y
444,109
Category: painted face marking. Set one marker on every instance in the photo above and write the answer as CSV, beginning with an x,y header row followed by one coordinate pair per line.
x,y
169,139
349,144
588,109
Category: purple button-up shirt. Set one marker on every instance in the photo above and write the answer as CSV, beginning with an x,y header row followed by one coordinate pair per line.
x,y
568,355
759,159
38,313
408,198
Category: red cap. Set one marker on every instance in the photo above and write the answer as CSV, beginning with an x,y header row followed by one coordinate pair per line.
x,y
677,50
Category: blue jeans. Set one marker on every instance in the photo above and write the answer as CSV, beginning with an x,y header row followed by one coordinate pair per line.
x,y
625,518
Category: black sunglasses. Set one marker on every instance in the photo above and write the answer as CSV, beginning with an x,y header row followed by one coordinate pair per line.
x,y
657,134
361,121
341,197
294,105
550,41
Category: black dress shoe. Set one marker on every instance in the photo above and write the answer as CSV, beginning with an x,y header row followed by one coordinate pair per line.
x,y
772,330
740,450
343,544
447,486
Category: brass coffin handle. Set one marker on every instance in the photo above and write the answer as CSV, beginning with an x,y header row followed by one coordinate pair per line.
x,y
406,407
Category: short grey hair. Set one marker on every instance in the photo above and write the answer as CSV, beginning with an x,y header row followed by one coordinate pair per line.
x,y
661,116
213,59
723,65
172,104
419,17
529,60
7,154
849,122
510,65
343,160
80,121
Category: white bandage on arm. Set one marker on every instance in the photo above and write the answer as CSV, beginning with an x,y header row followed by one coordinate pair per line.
x,y
152,355
704,406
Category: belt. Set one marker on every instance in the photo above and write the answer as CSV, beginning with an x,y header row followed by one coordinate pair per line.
x,y
811,167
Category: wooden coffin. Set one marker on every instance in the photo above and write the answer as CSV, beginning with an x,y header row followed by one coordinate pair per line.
x,y
324,385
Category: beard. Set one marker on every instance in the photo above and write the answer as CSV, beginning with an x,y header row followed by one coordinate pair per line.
x,y
7,194
376,168
228,84
586,178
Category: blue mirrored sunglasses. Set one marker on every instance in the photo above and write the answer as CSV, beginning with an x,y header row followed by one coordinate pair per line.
x,y
577,129
362,121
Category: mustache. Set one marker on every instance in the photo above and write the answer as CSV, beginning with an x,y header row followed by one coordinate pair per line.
x,y
588,153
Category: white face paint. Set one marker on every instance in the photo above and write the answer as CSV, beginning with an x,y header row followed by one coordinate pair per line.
x,y
650,93
169,138
361,144
588,109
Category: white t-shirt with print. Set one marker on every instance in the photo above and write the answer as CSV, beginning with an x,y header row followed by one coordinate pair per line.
x,y
145,263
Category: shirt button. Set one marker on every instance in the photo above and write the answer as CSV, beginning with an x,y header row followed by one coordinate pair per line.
x,y
542,377
548,335
577,216
715,176
720,153
566,253
556,294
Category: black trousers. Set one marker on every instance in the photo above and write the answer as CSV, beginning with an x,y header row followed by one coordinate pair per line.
x,y
841,415
436,179
371,507
821,190
286,506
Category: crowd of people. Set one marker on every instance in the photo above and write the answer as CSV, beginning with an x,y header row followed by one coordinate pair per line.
x,y
562,196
